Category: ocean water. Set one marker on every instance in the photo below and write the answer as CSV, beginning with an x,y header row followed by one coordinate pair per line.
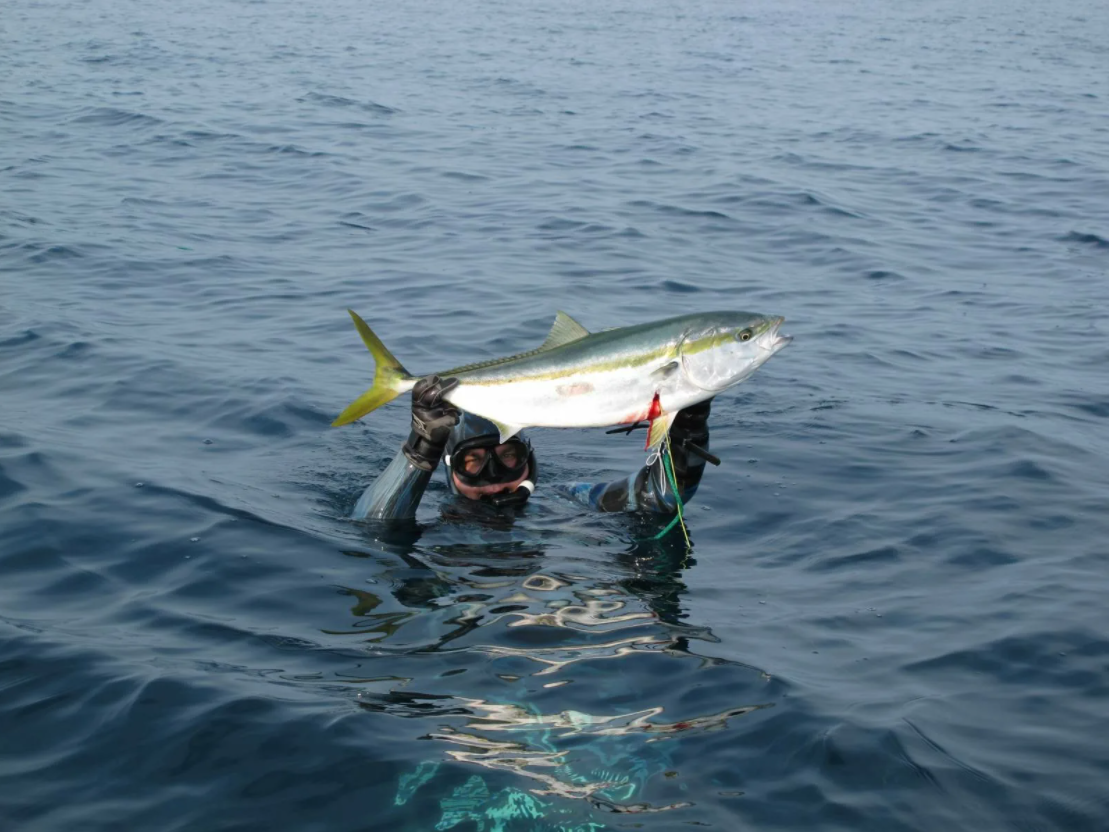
x,y
891,614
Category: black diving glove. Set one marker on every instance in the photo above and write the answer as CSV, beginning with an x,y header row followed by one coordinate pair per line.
x,y
432,420
690,435
692,422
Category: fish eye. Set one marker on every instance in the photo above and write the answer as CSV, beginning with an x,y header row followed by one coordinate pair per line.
x,y
744,334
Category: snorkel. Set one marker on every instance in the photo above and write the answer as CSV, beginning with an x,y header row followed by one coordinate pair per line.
x,y
514,498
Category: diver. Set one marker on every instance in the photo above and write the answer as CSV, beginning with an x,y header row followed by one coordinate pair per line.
x,y
483,471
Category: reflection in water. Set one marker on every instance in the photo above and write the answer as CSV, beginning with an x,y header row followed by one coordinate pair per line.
x,y
568,723
503,613
556,659
538,750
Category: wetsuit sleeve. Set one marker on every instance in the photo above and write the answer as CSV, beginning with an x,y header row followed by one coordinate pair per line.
x,y
395,494
648,489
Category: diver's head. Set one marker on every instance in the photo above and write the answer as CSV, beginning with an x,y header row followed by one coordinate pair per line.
x,y
481,467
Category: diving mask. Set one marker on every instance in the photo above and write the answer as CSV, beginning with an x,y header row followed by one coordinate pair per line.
x,y
484,461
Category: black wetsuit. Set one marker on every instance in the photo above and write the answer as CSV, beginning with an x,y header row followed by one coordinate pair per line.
x,y
397,492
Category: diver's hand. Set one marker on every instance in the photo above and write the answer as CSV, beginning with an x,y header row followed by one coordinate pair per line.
x,y
694,419
432,420
690,435
432,415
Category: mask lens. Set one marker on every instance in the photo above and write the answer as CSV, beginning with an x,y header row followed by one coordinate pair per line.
x,y
489,464
512,455
473,461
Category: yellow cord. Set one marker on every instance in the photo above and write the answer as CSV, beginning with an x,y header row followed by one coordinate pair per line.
x,y
668,467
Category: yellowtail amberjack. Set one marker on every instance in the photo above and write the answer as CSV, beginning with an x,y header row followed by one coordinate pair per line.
x,y
579,379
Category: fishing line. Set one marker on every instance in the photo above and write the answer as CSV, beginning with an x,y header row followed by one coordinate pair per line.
x,y
668,466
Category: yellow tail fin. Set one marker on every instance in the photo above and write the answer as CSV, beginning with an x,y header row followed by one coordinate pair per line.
x,y
390,378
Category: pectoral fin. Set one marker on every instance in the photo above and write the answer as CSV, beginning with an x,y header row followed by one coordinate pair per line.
x,y
660,426
665,371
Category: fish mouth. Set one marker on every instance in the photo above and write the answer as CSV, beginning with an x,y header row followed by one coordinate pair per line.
x,y
772,339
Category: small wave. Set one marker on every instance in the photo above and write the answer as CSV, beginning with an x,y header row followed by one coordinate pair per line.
x,y
1093,406
1086,239
142,202
25,337
207,136
918,137
1028,470
961,148
679,287
53,253
340,101
677,210
74,350
982,557
788,201
292,149
18,218
560,224
111,117
349,224
464,176
211,504
1031,658
9,486
881,556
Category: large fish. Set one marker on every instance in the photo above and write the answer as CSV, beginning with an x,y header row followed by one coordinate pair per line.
x,y
581,379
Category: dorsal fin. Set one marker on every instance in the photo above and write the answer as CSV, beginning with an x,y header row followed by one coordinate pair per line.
x,y
564,330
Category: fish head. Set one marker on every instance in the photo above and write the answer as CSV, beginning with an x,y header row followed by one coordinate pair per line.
x,y
724,348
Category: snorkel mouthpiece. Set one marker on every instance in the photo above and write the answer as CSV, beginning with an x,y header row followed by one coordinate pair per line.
x,y
511,498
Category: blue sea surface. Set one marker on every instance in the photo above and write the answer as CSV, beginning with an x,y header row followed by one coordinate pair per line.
x,y
892,615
